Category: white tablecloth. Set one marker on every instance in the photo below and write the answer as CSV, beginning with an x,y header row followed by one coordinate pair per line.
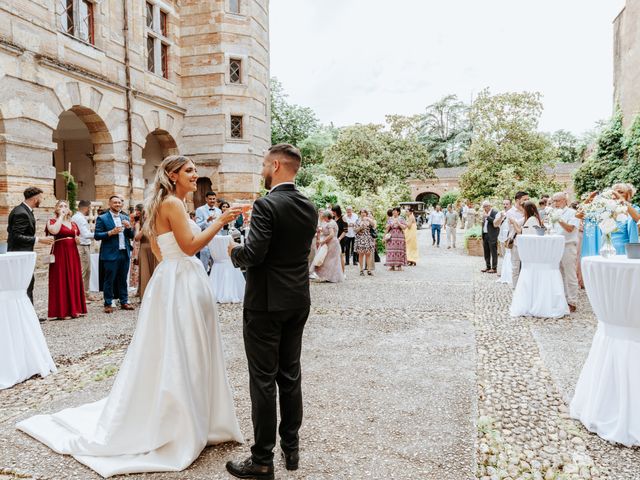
x,y
540,291
227,282
23,349
607,395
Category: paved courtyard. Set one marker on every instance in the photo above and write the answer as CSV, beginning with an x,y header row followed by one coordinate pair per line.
x,y
418,374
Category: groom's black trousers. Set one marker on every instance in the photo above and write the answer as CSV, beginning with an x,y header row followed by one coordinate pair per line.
x,y
273,342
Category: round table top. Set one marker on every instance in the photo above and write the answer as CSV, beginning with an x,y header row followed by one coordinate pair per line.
x,y
540,248
618,260
16,269
8,255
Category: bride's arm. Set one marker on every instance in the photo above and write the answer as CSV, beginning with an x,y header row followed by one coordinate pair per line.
x,y
178,219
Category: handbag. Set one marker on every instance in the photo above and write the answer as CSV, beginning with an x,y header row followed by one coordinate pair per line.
x,y
51,258
321,254
373,232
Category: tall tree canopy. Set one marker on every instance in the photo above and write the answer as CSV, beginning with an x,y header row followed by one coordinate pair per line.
x,y
507,152
290,123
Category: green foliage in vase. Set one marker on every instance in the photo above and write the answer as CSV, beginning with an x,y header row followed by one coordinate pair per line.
x,y
71,188
507,152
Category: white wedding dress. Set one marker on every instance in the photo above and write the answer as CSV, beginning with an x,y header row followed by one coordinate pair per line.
x,y
171,397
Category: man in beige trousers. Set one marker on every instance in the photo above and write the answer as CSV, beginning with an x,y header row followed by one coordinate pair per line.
x,y
84,246
568,226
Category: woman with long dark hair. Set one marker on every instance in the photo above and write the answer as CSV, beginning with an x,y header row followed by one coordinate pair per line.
x,y
532,220
342,231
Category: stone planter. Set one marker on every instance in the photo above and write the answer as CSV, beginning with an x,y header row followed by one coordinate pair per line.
x,y
474,247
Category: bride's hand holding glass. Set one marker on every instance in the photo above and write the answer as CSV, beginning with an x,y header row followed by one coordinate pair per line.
x,y
229,215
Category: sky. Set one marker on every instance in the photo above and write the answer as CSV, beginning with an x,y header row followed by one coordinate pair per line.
x,y
355,61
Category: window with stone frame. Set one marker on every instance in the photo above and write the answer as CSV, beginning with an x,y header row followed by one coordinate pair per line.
x,y
234,6
76,18
235,70
237,126
158,44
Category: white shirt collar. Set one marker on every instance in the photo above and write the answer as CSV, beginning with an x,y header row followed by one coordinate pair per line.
x,y
27,205
280,184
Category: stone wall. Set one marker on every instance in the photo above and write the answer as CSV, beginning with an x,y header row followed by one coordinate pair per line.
x,y
626,70
45,72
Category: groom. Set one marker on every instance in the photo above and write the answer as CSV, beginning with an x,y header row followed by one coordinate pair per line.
x,y
276,307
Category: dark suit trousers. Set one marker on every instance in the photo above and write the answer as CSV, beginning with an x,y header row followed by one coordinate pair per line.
x,y
490,251
115,279
273,342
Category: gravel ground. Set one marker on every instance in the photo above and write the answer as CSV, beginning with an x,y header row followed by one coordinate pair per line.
x,y
389,380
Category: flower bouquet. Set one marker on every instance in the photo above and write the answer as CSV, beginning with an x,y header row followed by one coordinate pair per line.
x,y
606,210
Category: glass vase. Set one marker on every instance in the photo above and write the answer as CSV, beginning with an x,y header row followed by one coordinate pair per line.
x,y
607,250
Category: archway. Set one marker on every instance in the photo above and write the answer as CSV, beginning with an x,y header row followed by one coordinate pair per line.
x,y
76,146
159,144
429,198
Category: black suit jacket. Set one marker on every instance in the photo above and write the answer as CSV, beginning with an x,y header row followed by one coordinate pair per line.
x,y
492,232
276,252
21,229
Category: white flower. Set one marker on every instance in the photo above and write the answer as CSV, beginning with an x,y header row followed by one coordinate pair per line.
x,y
608,226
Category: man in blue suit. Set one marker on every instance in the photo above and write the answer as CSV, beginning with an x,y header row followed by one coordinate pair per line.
x,y
114,231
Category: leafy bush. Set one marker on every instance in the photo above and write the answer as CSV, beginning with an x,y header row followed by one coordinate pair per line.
x,y
72,189
449,198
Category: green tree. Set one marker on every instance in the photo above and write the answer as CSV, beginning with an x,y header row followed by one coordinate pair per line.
x,y
606,164
290,123
449,198
367,157
314,146
507,152
567,146
446,131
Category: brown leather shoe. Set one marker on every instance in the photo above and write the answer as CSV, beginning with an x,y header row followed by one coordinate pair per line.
x,y
248,469
126,306
572,308
108,309
493,270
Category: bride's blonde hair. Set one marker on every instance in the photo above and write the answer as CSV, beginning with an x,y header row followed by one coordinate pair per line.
x,y
162,188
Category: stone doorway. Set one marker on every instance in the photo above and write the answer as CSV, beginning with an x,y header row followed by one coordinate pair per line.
x,y
159,145
429,198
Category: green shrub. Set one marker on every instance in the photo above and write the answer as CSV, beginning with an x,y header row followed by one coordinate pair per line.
x,y
473,232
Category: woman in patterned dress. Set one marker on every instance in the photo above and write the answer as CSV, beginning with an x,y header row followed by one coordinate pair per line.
x,y
331,268
365,244
396,243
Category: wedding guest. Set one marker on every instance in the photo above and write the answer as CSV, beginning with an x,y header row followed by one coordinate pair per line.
x,y
84,245
436,218
66,290
365,244
568,226
342,231
374,235
113,229
451,225
490,237
627,231
506,274
331,268
134,270
224,206
349,239
531,220
396,245
205,216
411,237
147,261
463,214
515,216
471,216
544,209
22,228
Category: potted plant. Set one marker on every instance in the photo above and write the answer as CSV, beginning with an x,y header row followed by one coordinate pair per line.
x,y
473,241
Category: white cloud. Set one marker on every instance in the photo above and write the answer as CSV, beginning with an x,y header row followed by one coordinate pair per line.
x,y
357,60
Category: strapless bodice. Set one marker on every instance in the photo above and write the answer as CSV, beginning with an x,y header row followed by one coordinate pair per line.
x,y
169,246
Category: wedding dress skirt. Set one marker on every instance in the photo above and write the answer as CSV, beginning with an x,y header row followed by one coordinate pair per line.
x,y
227,281
171,397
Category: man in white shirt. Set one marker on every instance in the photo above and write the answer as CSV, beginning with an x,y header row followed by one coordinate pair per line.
x,y
569,227
205,216
348,241
437,220
516,214
84,246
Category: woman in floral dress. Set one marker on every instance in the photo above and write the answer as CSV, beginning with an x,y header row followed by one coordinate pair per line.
x,y
365,244
396,244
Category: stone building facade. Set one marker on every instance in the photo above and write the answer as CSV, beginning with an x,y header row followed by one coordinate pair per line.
x,y
107,88
626,58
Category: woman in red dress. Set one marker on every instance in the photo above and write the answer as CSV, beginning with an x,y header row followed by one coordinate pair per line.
x,y
66,291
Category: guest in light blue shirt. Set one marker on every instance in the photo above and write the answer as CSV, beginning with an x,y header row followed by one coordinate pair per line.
x,y
205,216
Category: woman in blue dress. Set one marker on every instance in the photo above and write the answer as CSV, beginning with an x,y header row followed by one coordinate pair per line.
x,y
627,231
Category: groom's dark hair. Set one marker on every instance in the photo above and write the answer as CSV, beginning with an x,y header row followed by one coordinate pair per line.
x,y
288,152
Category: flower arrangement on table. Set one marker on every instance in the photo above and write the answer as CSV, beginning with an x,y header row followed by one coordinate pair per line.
x,y
606,210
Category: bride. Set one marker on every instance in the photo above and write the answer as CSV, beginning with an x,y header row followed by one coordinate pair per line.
x,y
171,397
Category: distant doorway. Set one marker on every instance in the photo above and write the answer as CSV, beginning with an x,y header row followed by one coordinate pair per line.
x,y
204,186
429,198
